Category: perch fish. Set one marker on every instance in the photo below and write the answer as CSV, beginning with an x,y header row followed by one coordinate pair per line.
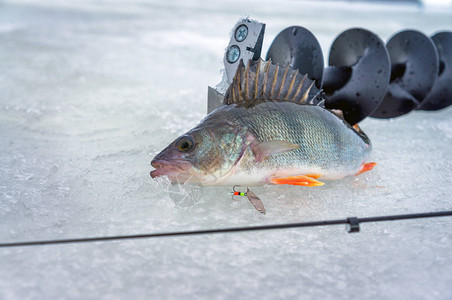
x,y
272,129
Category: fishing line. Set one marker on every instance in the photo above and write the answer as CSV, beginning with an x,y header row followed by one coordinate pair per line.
x,y
352,224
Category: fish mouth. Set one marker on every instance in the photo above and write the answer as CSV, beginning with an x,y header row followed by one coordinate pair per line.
x,y
175,170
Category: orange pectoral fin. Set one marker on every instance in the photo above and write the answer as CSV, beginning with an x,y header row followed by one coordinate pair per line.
x,y
298,180
366,167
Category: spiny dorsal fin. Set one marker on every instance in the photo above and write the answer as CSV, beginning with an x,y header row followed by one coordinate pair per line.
x,y
263,81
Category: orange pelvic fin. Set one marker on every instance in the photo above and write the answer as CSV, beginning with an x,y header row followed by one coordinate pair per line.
x,y
303,180
366,167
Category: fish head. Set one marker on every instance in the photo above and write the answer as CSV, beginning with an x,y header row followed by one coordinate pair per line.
x,y
204,155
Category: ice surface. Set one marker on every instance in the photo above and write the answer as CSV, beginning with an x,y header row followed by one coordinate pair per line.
x,y
91,91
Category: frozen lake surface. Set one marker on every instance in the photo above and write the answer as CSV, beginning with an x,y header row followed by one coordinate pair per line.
x,y
90,92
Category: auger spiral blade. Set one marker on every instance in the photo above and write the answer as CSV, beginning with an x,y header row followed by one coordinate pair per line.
x,y
441,94
414,69
298,48
358,74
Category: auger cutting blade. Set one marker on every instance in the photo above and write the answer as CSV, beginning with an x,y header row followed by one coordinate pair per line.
x,y
441,94
297,47
414,69
358,74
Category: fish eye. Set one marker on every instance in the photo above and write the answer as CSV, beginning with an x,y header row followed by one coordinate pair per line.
x,y
185,144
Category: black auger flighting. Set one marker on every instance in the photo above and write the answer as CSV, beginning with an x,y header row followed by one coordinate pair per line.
x,y
364,76
367,78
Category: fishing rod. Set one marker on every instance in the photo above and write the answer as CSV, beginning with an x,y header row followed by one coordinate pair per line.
x,y
353,226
